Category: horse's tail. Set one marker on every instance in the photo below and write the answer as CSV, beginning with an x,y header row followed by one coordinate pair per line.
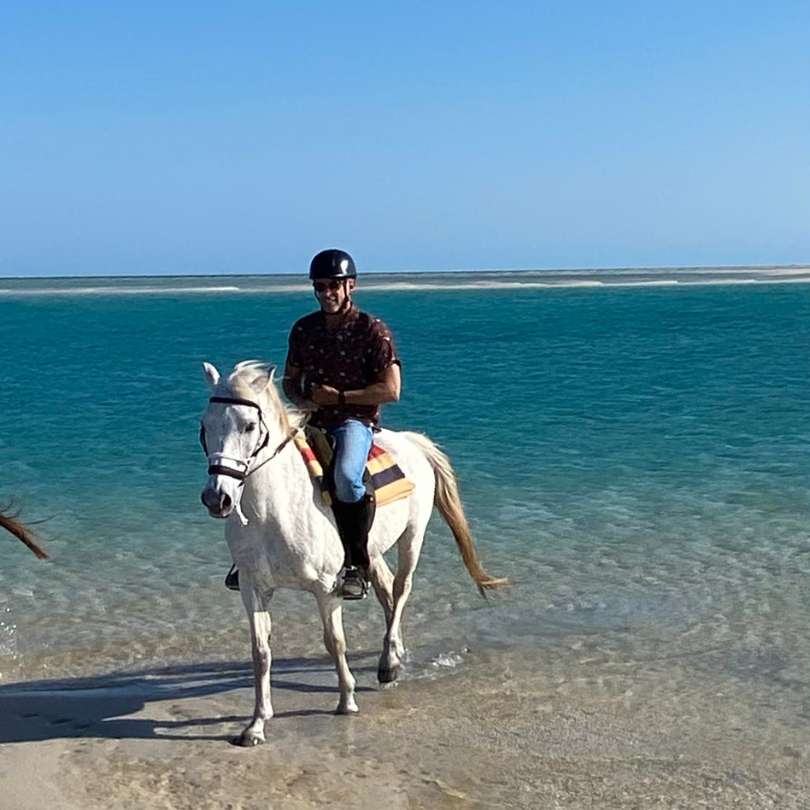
x,y
448,502
21,532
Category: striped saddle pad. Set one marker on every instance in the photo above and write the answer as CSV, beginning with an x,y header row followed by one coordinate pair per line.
x,y
385,477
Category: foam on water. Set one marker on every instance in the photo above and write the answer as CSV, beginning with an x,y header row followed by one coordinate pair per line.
x,y
50,291
8,637
398,282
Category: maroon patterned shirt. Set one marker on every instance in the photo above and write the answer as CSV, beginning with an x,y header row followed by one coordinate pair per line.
x,y
353,356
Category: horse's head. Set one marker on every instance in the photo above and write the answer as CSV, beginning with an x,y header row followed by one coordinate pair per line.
x,y
244,420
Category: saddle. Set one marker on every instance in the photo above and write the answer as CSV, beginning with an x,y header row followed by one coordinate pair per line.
x,y
383,478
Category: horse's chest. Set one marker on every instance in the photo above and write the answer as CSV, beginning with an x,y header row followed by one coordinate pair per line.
x,y
284,560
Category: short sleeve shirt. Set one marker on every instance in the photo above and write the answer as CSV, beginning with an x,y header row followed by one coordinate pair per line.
x,y
351,357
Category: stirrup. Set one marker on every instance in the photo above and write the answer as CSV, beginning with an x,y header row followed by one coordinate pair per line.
x,y
353,585
232,579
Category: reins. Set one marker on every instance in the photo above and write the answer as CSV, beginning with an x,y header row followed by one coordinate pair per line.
x,y
275,453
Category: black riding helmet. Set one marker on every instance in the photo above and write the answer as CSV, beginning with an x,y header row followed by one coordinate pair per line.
x,y
332,263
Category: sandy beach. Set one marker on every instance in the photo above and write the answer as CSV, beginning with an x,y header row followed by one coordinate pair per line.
x,y
499,730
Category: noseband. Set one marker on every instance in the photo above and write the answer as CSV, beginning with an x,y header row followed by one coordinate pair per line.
x,y
214,465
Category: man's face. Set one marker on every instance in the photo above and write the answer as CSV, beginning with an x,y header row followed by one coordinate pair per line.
x,y
331,294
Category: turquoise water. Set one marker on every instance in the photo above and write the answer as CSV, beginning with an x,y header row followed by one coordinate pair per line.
x,y
636,458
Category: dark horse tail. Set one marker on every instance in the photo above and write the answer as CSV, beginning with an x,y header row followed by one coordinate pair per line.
x,y
22,533
448,501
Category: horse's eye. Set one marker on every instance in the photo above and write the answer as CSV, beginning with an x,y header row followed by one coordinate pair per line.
x,y
250,427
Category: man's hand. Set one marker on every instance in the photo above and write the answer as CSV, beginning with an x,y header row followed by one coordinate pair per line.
x,y
324,395
292,388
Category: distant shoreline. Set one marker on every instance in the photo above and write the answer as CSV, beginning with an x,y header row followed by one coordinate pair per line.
x,y
478,280
720,268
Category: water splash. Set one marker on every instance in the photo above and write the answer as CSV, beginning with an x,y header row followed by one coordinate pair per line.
x,y
8,635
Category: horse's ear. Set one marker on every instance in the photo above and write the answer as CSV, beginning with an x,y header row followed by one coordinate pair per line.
x,y
211,374
262,379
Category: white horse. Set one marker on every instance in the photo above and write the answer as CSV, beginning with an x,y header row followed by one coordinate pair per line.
x,y
281,535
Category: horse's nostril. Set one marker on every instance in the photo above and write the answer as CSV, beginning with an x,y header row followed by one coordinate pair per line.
x,y
219,504
211,500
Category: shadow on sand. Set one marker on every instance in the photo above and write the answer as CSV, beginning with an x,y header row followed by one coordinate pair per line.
x,y
101,706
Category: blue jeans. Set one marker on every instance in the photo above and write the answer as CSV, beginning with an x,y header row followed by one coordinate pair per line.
x,y
352,443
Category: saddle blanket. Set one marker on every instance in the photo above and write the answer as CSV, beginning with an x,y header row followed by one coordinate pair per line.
x,y
385,477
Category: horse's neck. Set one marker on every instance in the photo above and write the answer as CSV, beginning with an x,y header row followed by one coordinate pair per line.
x,y
279,484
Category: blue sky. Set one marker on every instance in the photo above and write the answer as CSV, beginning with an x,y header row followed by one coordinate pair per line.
x,y
205,138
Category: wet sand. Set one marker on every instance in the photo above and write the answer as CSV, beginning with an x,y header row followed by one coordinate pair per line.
x,y
503,729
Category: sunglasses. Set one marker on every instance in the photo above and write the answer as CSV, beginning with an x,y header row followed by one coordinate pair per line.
x,y
323,286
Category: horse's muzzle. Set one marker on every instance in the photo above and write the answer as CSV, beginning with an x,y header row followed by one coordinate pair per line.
x,y
219,504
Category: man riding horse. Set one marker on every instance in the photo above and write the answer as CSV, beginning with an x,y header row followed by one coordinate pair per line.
x,y
341,366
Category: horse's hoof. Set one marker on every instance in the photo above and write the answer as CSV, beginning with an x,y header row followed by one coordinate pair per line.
x,y
246,740
347,708
387,674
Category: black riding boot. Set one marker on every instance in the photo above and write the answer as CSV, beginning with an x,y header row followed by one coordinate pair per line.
x,y
353,522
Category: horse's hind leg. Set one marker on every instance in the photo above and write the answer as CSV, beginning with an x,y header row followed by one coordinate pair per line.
x,y
410,544
331,608
382,580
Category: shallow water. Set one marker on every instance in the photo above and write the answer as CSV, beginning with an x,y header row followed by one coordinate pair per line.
x,y
636,459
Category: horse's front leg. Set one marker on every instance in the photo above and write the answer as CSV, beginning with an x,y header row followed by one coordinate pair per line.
x,y
331,608
260,626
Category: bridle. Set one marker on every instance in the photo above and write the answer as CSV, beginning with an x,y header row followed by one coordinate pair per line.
x,y
243,468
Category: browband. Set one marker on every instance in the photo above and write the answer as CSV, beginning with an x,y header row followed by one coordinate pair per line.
x,y
236,401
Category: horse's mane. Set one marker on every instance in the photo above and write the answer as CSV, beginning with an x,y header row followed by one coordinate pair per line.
x,y
238,383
